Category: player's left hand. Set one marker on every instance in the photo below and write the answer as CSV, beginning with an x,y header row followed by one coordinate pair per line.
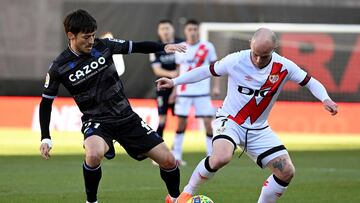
x,y
330,106
172,48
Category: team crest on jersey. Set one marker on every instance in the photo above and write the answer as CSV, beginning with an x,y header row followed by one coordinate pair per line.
x,y
273,78
47,81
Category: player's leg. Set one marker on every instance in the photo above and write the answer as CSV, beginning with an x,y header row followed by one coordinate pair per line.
x,y
224,144
222,153
209,134
169,170
141,141
163,106
177,147
95,148
204,109
266,149
283,171
161,126
182,110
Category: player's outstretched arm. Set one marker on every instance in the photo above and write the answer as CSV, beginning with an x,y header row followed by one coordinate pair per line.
x,y
319,91
44,116
195,75
147,47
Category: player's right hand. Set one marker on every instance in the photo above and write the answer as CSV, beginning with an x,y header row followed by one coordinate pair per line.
x,y
172,48
330,106
164,83
45,150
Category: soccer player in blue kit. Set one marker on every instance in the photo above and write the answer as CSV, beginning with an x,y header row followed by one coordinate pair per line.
x,y
86,69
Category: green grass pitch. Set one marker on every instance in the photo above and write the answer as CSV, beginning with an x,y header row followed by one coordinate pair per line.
x,y
328,170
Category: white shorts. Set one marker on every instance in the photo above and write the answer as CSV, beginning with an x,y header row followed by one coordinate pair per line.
x,y
261,145
202,104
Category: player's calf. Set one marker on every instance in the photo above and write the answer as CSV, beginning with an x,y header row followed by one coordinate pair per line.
x,y
95,148
169,170
206,169
274,187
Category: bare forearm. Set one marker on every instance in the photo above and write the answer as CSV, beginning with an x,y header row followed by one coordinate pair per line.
x,y
160,72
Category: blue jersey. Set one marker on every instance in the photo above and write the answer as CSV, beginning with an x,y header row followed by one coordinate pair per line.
x,y
92,80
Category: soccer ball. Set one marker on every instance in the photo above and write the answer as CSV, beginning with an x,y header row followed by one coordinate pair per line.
x,y
200,199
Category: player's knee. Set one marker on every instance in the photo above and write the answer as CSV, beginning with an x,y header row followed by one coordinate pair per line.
x,y
182,124
217,162
93,158
287,174
169,162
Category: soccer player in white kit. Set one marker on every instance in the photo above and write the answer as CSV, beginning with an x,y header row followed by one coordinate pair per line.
x,y
255,79
199,53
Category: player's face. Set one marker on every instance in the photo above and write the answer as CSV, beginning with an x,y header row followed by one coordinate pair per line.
x,y
260,56
192,32
83,42
166,32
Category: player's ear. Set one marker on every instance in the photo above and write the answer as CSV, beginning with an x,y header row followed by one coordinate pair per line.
x,y
70,35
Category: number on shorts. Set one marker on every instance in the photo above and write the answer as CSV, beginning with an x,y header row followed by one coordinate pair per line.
x,y
223,122
147,127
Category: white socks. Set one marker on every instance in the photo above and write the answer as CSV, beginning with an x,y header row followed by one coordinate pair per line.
x,y
177,145
200,175
208,142
272,190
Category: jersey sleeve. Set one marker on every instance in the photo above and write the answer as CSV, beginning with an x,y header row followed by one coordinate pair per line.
x,y
178,57
297,74
212,53
154,59
118,46
52,83
221,67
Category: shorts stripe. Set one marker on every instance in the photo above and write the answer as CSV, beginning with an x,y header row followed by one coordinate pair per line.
x,y
267,153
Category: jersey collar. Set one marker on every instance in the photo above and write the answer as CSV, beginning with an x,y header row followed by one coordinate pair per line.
x,y
73,51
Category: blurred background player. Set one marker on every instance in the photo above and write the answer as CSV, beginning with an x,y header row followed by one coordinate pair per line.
x,y
242,120
195,95
163,65
117,58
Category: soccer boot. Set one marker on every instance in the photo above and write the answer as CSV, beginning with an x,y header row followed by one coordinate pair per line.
x,y
169,199
183,198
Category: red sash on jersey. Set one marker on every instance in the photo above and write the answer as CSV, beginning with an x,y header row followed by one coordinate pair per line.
x,y
200,56
254,110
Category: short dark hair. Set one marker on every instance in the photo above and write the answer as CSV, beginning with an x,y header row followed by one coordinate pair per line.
x,y
165,21
79,21
192,22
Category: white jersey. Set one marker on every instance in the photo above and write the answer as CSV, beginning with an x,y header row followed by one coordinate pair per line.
x,y
200,54
252,91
